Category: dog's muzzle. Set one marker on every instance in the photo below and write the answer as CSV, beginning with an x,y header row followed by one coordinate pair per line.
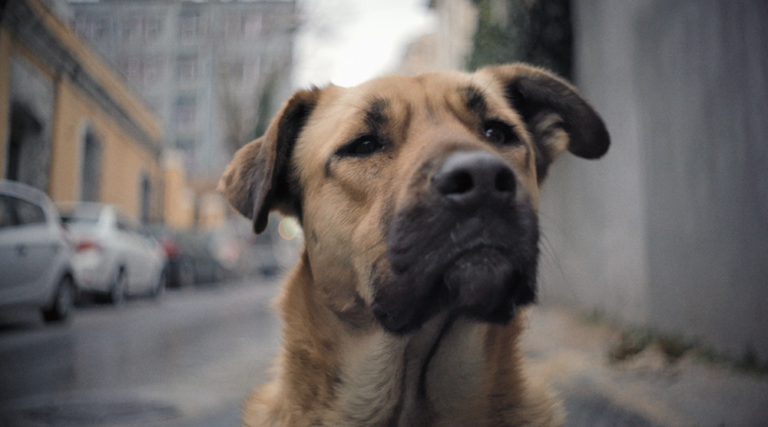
x,y
467,245
470,180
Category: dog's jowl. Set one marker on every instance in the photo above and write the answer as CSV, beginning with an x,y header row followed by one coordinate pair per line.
x,y
418,198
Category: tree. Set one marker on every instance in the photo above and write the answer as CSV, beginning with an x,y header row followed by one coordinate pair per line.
x,y
535,31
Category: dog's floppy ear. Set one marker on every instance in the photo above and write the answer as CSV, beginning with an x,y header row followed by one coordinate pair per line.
x,y
557,117
257,180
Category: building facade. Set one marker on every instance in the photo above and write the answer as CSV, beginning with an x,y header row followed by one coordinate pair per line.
x,y
202,66
68,124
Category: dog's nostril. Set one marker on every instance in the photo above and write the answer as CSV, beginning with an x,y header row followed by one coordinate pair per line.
x,y
460,182
505,181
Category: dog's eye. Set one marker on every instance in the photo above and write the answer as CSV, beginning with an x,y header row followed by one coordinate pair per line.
x,y
361,146
499,133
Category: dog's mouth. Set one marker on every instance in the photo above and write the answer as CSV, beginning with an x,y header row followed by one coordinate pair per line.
x,y
485,284
484,272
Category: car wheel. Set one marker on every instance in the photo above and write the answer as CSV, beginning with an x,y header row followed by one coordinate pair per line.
x,y
62,302
119,288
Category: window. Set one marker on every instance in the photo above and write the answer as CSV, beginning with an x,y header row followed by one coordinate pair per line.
x,y
131,69
187,68
123,226
132,28
189,26
153,27
29,213
234,25
253,26
151,69
7,215
142,70
17,212
100,28
90,173
91,27
186,113
28,155
146,198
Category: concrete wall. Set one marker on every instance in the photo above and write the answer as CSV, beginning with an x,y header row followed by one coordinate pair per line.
x,y
670,230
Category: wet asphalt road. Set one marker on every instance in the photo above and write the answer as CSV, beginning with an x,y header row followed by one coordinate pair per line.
x,y
186,359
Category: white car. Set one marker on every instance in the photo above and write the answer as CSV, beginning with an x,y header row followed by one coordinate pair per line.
x,y
35,253
115,256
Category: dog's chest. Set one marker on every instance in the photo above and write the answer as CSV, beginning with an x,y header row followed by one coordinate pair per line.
x,y
432,378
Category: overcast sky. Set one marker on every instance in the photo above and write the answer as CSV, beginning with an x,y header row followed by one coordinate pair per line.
x,y
349,41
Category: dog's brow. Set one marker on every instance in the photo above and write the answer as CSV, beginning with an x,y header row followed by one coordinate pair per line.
x,y
475,100
375,115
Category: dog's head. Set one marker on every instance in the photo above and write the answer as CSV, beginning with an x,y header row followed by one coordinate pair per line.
x,y
417,194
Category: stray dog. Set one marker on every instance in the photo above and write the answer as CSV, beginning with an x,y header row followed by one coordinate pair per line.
x,y
418,198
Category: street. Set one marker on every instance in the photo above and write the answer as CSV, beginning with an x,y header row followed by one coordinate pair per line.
x,y
176,361
189,359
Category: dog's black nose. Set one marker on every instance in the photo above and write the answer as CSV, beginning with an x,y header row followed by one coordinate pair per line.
x,y
473,178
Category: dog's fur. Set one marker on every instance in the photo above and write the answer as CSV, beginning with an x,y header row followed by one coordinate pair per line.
x,y
418,200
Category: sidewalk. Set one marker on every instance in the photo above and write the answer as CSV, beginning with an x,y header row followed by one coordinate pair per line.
x,y
571,354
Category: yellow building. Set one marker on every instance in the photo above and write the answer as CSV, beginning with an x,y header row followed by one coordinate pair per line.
x,y
68,123
179,198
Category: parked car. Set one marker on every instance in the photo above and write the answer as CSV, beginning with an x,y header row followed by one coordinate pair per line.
x,y
191,258
35,253
115,255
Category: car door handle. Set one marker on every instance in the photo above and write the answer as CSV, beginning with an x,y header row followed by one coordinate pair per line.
x,y
21,250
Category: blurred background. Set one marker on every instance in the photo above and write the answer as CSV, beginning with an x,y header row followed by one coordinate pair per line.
x,y
117,118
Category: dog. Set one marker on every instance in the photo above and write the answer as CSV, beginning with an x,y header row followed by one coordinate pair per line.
x,y
418,199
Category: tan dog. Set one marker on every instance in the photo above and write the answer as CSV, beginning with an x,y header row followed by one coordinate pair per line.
x,y
418,199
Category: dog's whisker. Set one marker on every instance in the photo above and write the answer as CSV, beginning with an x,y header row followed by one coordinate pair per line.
x,y
548,252
366,251
382,241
